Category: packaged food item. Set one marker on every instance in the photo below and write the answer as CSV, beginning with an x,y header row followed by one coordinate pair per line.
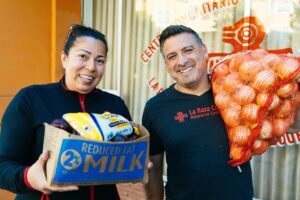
x,y
257,94
102,127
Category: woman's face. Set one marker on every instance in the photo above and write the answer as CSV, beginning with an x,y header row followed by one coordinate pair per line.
x,y
84,65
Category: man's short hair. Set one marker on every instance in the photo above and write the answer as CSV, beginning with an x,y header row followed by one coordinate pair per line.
x,y
173,30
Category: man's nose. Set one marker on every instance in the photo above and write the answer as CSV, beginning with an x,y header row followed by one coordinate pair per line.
x,y
181,59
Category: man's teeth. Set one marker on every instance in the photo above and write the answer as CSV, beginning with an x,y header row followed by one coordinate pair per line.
x,y
86,77
186,70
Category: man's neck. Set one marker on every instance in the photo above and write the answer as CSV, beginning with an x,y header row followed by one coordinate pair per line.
x,y
194,90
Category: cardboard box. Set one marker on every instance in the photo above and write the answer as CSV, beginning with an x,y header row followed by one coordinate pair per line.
x,y
75,160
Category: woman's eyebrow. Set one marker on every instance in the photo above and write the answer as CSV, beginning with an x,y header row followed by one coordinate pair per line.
x,y
84,51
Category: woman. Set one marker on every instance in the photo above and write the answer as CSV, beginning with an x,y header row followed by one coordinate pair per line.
x,y
22,161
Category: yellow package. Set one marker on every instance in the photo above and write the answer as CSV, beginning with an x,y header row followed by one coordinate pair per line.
x,y
102,127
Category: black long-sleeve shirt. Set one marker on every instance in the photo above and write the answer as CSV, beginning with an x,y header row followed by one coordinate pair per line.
x,y
22,134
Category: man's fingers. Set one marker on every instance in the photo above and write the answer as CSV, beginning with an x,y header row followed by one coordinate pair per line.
x,y
149,165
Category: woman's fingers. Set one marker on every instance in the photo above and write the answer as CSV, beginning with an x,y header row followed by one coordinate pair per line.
x,y
62,188
37,179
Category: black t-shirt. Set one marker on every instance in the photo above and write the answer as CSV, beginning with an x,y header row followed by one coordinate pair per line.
x,y
191,131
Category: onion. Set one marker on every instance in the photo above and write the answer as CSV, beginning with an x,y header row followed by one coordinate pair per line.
x,y
258,53
239,135
264,80
249,112
236,152
221,70
249,69
244,95
231,116
236,61
261,99
290,119
284,109
232,82
222,99
296,96
287,90
271,61
217,84
266,130
287,67
260,146
280,126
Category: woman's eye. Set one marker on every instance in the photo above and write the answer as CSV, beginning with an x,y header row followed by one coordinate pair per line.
x,y
100,62
84,57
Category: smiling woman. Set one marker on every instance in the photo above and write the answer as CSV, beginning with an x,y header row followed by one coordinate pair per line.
x,y
83,59
22,161
84,66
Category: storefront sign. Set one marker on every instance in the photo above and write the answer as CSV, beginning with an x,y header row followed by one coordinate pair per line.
x,y
204,8
154,85
288,139
150,50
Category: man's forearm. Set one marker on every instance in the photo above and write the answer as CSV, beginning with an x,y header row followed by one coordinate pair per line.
x,y
154,191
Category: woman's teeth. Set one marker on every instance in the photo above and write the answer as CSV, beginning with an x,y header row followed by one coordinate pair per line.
x,y
86,77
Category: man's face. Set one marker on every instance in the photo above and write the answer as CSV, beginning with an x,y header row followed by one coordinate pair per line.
x,y
186,60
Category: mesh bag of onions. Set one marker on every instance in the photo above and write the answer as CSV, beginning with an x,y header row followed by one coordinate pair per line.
x,y
257,95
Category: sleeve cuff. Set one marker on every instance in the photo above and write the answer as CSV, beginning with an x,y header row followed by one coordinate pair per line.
x,y
26,180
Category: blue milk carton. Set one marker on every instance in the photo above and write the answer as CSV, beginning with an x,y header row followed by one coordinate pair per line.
x,y
75,160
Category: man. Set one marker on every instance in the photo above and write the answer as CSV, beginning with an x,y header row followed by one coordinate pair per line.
x,y
184,122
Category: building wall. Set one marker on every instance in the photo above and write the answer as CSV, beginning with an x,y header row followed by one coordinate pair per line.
x,y
32,35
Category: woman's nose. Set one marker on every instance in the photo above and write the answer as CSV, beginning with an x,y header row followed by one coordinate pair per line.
x,y
90,65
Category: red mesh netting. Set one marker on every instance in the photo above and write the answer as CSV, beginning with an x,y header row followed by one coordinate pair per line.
x,y
257,95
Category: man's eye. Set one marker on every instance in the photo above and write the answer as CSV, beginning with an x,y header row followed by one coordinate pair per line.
x,y
188,50
171,57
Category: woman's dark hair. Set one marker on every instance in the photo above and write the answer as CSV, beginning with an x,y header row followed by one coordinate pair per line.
x,y
78,30
175,30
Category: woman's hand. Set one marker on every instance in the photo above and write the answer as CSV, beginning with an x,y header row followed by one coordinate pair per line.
x,y
37,179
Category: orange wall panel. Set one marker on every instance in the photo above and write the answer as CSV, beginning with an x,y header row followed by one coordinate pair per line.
x,y
25,44
32,36
67,12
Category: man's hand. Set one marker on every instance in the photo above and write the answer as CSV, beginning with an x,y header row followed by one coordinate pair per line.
x,y
154,188
37,179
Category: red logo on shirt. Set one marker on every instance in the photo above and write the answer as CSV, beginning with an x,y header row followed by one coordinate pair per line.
x,y
180,117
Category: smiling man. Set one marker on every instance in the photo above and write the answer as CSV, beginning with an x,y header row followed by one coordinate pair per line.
x,y
184,123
